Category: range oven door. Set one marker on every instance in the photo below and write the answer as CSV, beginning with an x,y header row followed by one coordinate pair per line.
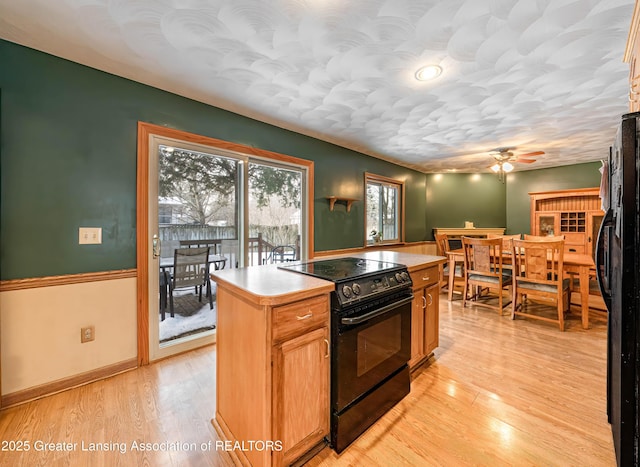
x,y
367,348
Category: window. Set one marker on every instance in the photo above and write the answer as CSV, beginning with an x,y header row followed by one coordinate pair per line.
x,y
384,210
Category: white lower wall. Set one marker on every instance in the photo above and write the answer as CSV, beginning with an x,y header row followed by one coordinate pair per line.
x,y
40,331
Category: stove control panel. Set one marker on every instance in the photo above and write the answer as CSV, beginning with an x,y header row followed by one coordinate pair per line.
x,y
362,288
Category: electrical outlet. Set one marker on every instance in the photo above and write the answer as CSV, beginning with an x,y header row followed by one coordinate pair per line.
x,y
87,334
90,235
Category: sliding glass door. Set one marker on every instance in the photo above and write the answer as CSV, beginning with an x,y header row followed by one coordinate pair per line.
x,y
275,209
231,209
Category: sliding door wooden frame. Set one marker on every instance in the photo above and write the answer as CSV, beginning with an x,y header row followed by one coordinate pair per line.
x,y
145,132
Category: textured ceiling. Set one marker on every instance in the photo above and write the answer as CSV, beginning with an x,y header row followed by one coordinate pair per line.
x,y
541,75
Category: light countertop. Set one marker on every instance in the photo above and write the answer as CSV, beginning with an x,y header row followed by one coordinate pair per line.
x,y
268,285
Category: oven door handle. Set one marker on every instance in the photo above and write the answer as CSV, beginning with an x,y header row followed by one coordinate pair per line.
x,y
378,312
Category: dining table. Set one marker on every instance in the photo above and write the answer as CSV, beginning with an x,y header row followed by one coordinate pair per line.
x,y
218,262
573,263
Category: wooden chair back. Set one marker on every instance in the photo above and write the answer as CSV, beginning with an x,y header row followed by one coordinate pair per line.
x,y
482,256
538,261
538,273
442,244
483,272
506,240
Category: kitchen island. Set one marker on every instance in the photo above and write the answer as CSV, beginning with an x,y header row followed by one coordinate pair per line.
x,y
272,373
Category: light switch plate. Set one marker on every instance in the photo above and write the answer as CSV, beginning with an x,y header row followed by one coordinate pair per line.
x,y
90,235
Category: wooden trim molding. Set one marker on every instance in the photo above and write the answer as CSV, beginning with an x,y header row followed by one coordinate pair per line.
x,y
67,279
370,177
570,192
633,33
60,385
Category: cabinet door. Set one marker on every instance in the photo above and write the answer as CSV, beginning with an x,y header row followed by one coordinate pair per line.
x,y
595,220
546,224
417,328
431,319
300,394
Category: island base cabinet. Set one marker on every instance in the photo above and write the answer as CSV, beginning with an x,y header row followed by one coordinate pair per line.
x,y
425,316
417,330
272,377
432,318
301,394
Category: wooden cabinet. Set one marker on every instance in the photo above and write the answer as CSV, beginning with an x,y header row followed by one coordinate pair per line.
x,y
632,57
300,394
576,214
424,314
432,318
272,375
483,232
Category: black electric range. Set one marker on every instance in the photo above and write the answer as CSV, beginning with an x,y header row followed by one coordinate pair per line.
x,y
370,340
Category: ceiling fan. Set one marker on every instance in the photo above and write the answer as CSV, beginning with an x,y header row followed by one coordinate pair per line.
x,y
504,158
506,155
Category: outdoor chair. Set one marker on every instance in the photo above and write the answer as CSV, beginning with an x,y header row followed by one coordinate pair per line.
x,y
282,254
190,269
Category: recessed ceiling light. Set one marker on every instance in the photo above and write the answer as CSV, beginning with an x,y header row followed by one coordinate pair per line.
x,y
428,72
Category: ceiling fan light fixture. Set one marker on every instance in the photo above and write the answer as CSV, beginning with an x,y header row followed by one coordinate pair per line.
x,y
428,72
507,167
495,168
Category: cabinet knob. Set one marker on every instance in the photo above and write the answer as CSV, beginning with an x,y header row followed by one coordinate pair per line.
x,y
424,302
326,355
430,299
303,317
425,278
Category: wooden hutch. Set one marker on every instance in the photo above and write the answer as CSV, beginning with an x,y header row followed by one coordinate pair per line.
x,y
632,57
576,214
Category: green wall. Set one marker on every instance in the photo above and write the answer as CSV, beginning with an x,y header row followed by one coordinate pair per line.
x,y
453,199
520,184
68,159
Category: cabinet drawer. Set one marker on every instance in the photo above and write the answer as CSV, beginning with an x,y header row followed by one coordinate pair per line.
x,y
297,318
569,248
424,277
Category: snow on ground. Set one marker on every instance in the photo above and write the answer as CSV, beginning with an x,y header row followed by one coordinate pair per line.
x,y
190,315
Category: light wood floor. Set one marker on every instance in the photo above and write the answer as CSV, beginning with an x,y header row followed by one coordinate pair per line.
x,y
497,392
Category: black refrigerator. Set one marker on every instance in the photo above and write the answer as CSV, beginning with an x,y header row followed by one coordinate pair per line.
x,y
618,272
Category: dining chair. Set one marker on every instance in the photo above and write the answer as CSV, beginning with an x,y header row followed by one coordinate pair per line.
x,y
164,286
507,244
538,273
190,269
484,272
506,240
442,247
594,290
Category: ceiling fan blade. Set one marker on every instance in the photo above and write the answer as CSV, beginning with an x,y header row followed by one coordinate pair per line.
x,y
531,154
526,161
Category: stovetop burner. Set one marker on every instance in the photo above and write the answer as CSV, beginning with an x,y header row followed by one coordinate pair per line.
x,y
357,280
340,269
